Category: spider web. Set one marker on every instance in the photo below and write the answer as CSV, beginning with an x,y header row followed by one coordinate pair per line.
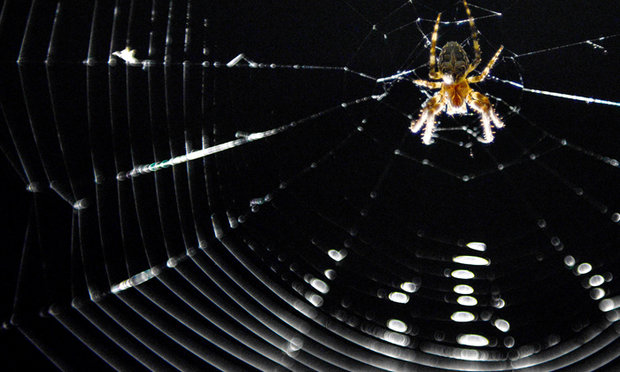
x,y
266,151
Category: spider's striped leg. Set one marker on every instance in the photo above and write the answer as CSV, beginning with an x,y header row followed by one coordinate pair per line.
x,y
474,37
432,63
480,103
427,116
428,84
485,72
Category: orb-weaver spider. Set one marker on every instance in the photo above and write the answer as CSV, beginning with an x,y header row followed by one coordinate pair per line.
x,y
455,93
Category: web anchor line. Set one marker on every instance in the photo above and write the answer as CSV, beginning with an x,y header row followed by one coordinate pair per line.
x,y
243,139
590,42
128,55
242,61
395,76
556,94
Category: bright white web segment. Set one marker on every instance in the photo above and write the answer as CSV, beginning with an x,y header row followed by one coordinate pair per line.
x,y
590,42
559,95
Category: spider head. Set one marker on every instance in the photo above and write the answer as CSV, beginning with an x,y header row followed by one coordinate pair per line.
x,y
453,62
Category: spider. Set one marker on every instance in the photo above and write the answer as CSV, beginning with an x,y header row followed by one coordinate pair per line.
x,y
456,94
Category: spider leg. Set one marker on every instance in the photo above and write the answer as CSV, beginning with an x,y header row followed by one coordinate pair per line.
x,y
427,116
485,72
474,37
432,63
480,103
428,84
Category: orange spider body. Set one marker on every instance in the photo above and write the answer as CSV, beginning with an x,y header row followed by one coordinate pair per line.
x,y
453,68
456,94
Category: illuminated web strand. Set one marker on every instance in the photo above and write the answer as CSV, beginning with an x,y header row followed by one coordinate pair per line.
x,y
128,55
463,21
148,274
135,280
556,94
245,138
251,64
457,22
157,166
493,12
395,76
561,141
589,41
358,13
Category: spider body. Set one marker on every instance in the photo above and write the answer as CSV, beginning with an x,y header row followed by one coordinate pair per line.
x,y
455,94
453,62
